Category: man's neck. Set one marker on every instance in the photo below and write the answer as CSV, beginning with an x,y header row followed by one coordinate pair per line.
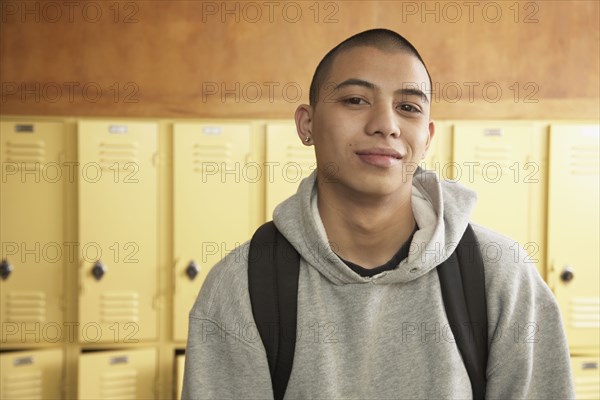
x,y
364,230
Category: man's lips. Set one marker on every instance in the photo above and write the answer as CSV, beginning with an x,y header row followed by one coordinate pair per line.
x,y
380,157
380,151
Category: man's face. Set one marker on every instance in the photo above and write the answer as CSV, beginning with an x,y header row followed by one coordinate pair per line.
x,y
371,125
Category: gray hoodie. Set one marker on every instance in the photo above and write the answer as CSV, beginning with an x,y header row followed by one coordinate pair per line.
x,y
387,336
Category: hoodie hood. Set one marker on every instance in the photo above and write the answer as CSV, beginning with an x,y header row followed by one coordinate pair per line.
x,y
442,210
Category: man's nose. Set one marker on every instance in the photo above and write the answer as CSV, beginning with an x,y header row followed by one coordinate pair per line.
x,y
384,121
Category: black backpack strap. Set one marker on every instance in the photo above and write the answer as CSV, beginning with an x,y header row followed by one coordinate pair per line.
x,y
273,272
462,282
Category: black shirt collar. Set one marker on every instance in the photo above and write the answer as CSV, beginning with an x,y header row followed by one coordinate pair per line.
x,y
393,263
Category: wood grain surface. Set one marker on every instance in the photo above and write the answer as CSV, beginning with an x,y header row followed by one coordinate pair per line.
x,y
255,59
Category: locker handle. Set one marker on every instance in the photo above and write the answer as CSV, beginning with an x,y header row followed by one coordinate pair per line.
x,y
119,360
98,270
119,129
492,132
24,128
589,365
567,274
5,269
23,361
192,270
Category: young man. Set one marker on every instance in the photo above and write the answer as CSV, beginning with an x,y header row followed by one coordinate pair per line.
x,y
371,228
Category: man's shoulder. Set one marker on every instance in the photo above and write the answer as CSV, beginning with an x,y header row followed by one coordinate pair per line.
x,y
226,284
509,268
488,237
500,249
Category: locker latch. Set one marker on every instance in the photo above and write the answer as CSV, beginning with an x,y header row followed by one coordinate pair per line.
x,y
98,270
567,274
192,270
5,268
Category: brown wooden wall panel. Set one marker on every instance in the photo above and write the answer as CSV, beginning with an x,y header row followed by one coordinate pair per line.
x,y
256,58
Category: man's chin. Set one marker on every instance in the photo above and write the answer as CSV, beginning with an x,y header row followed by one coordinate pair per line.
x,y
382,189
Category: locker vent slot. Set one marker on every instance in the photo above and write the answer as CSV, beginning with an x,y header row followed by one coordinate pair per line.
x,y
501,155
213,157
119,307
22,385
119,153
26,307
119,384
584,160
300,155
25,152
586,387
585,312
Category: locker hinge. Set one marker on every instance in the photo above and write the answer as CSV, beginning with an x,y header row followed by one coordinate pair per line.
x,y
63,385
158,302
81,285
174,281
550,277
157,387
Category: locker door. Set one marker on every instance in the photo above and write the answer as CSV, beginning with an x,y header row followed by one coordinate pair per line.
x,y
179,374
573,231
33,374
213,180
288,161
32,237
586,376
504,163
124,374
117,230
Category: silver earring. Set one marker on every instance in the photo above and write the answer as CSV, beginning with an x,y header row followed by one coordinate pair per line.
x,y
307,139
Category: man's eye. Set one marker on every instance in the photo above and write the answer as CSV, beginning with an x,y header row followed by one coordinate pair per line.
x,y
409,108
354,101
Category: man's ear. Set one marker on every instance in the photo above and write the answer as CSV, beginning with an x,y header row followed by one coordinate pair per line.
x,y
431,134
303,117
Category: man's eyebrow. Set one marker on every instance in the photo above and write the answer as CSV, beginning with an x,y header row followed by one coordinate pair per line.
x,y
355,82
412,92
369,85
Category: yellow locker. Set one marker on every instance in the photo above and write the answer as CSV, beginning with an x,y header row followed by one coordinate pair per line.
x,y
504,162
32,215
587,377
36,374
117,230
179,374
122,374
288,161
215,173
573,225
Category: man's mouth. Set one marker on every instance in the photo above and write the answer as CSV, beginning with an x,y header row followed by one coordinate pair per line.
x,y
383,157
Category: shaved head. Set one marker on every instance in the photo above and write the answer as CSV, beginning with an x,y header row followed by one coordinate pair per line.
x,y
382,39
